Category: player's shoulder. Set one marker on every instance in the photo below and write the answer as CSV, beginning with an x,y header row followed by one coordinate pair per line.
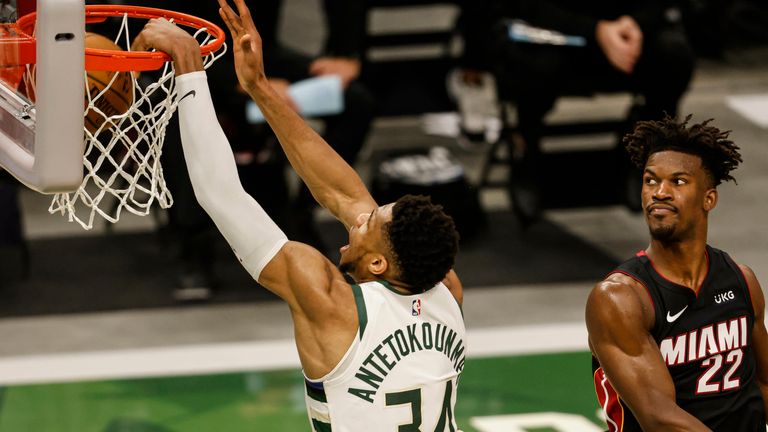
x,y
317,284
748,274
618,284
753,286
619,296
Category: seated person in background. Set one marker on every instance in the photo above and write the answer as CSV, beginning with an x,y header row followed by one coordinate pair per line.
x,y
636,46
259,160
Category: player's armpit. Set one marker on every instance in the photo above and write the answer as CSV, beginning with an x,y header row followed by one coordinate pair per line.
x,y
759,333
323,306
619,335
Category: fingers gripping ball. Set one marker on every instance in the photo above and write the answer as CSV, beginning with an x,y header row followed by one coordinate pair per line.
x,y
109,95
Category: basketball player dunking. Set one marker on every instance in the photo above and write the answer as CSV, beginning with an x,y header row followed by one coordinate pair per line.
x,y
677,331
383,354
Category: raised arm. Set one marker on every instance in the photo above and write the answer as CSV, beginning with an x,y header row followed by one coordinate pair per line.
x,y
297,273
321,302
333,183
618,320
759,334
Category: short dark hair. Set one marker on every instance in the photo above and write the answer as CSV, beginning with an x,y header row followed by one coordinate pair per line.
x,y
719,155
423,240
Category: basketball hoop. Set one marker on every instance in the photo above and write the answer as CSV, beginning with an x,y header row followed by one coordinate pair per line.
x,y
123,142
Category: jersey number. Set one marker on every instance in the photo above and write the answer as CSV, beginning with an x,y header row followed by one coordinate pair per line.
x,y
713,364
413,397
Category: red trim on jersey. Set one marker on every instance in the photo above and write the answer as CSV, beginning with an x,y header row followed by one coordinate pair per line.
x,y
695,292
641,253
633,277
609,401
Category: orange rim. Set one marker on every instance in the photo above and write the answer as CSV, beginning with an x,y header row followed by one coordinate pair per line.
x,y
102,59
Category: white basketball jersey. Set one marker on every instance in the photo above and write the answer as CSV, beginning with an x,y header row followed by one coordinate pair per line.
x,y
401,372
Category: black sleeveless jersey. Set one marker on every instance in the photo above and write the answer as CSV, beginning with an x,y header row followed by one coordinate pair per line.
x,y
705,340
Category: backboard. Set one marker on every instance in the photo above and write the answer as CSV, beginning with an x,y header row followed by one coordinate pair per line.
x,y
42,92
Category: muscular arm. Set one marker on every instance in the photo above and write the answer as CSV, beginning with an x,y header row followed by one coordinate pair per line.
x,y
250,232
618,321
321,303
257,241
333,183
331,180
759,334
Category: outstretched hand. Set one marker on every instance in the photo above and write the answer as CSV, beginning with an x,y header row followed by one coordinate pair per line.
x,y
246,44
163,35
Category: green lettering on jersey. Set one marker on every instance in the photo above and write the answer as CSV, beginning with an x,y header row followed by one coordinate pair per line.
x,y
402,344
440,338
369,361
414,341
413,398
369,377
449,342
383,357
426,335
446,412
388,341
456,356
460,366
366,395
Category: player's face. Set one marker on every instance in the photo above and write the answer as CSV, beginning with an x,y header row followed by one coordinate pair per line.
x,y
366,239
677,195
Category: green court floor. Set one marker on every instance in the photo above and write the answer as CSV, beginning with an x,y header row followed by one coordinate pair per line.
x,y
273,401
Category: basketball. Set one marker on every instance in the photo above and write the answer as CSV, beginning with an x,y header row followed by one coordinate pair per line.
x,y
117,98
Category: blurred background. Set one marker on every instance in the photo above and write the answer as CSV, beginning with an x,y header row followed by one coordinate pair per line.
x,y
509,113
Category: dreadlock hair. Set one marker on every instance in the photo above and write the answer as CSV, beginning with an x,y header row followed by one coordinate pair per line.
x,y
719,155
423,241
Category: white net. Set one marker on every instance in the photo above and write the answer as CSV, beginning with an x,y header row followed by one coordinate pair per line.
x,y
123,144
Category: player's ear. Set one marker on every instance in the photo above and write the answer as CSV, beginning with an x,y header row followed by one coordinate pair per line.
x,y
378,264
710,199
